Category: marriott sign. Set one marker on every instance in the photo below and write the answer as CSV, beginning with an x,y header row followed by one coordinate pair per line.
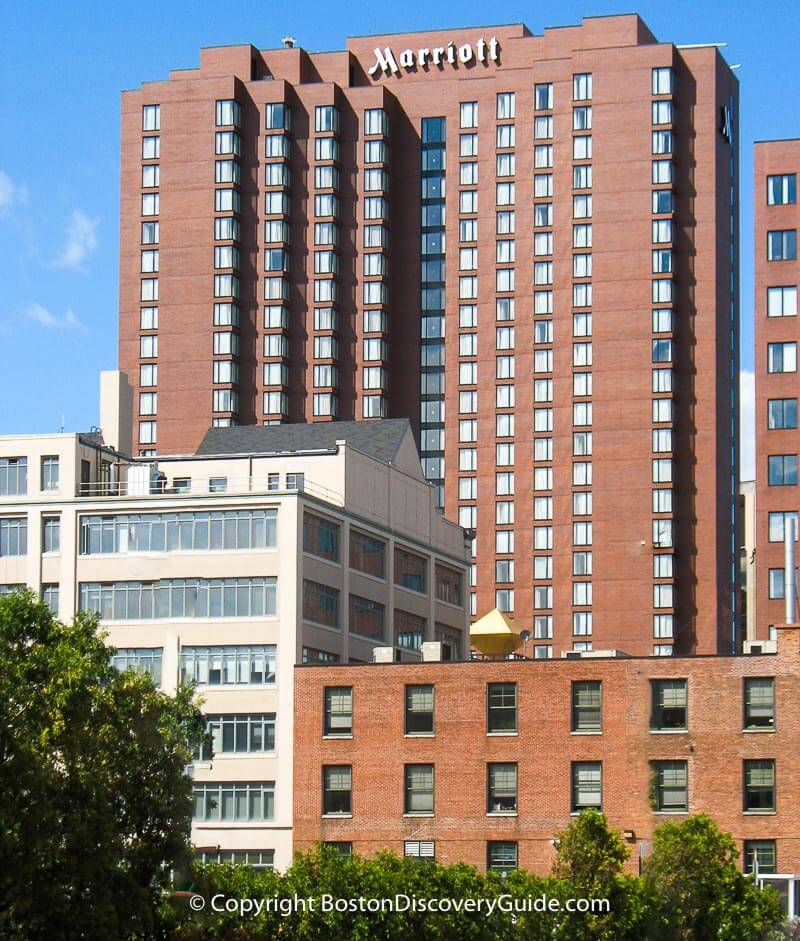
x,y
387,63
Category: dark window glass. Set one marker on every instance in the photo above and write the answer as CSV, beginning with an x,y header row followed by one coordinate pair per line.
x,y
669,705
587,706
419,710
502,707
367,554
366,618
320,603
338,710
321,537
337,789
501,789
759,785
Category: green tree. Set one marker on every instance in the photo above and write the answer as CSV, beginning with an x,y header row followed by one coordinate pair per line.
x,y
96,801
701,892
590,858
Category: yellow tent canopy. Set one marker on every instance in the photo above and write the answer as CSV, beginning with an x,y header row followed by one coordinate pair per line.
x,y
495,634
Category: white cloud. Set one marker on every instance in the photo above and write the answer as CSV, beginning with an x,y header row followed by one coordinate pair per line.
x,y
747,425
81,241
42,316
10,193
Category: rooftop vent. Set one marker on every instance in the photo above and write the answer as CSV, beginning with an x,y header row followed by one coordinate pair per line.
x,y
288,42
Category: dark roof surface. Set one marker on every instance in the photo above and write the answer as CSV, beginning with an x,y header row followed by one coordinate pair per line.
x,y
380,438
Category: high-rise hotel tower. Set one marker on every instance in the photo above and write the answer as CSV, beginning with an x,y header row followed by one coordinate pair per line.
x,y
526,244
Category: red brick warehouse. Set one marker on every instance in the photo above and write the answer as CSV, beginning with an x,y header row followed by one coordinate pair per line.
x,y
525,244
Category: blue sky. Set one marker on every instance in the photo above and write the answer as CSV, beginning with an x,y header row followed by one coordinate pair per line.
x,y
63,65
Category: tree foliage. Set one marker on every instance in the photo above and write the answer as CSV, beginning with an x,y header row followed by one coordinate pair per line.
x,y
96,801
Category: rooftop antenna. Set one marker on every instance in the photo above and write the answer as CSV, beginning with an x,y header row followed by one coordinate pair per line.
x,y
288,42
62,423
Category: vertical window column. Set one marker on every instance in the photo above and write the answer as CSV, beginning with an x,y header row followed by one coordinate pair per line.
x,y
226,256
325,348
277,182
375,262
148,285
582,405
432,282
662,347
543,371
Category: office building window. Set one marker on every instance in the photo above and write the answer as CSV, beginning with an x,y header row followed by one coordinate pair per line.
x,y
321,604
367,554
140,660
759,703
501,788
366,618
502,707
419,710
321,537
50,598
229,665
587,785
51,534
338,705
669,702
782,357
409,629
254,859
587,710
776,587
410,570
670,786
760,856
50,477
13,536
501,857
759,785
782,413
782,470
782,189
240,734
234,802
151,118
13,476
337,790
419,791
782,245
782,301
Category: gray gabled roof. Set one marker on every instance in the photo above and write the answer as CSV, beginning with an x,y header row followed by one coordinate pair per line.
x,y
380,438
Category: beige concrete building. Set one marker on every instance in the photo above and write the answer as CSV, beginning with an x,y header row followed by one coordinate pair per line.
x,y
271,546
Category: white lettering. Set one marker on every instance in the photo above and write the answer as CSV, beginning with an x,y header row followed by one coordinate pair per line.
x,y
384,62
483,52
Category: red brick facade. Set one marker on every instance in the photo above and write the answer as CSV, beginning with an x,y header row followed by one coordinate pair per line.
x,y
776,323
549,388
715,748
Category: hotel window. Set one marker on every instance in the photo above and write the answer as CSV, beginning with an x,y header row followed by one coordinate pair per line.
x,y
582,623
543,127
759,701
418,789
326,119
234,802
542,185
581,207
227,112
587,706
277,117
227,200
669,705
782,245
276,147
582,177
501,701
782,470
671,786
582,147
782,302
151,117
338,711
543,96
376,121
760,856
501,788
150,175
469,114
662,173
504,571
782,357
505,105
662,201
275,174
662,142
782,413
505,136
782,189
662,320
501,857
582,87
662,112
663,625
662,81
543,156
505,194
150,204
468,145
337,790
587,785
419,704
582,118
151,148
543,214
227,142
320,604
225,400
148,403
150,233
759,786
